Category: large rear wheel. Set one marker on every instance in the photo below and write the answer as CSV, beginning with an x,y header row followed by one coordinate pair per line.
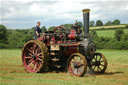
x,y
35,56
77,64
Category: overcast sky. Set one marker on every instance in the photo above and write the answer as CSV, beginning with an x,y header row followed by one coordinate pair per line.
x,y
22,14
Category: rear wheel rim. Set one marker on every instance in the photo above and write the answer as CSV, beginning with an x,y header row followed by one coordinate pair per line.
x,y
32,57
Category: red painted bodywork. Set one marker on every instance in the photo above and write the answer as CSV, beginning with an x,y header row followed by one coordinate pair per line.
x,y
72,35
70,50
70,45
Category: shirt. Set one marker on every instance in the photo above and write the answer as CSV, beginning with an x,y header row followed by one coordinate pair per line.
x,y
37,28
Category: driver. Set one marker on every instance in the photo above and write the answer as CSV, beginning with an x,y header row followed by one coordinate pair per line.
x,y
77,27
37,30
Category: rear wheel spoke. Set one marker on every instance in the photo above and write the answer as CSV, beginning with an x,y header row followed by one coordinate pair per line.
x,y
31,52
39,59
39,54
30,60
30,63
28,57
35,67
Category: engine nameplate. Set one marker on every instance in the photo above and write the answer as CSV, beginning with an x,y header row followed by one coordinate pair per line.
x,y
55,47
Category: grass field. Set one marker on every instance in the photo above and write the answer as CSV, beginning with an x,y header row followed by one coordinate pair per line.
x,y
108,33
108,27
12,71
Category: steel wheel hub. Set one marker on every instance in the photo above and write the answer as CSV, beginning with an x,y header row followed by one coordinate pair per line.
x,y
97,63
34,57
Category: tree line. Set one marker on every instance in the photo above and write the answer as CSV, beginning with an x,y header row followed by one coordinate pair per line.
x,y
108,23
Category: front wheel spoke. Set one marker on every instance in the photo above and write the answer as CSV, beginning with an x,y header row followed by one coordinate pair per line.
x,y
75,71
102,65
99,68
94,68
92,63
72,68
80,61
75,59
101,61
95,57
81,65
100,58
72,62
78,71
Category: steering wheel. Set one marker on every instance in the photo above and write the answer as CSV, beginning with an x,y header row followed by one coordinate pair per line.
x,y
60,29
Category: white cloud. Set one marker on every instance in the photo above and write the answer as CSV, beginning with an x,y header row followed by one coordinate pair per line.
x,y
58,12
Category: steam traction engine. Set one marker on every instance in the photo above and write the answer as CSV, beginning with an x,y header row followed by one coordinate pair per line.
x,y
64,49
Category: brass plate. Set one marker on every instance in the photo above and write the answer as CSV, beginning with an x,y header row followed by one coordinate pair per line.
x,y
55,47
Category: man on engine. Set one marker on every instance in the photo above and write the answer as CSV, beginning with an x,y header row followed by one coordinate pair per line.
x,y
37,31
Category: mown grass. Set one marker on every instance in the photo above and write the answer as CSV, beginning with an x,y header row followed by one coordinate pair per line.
x,y
12,71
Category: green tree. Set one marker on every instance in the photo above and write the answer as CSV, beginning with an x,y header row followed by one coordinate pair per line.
x,y
124,37
3,34
91,23
108,23
51,28
80,24
67,26
43,29
116,22
99,23
126,25
118,34
93,35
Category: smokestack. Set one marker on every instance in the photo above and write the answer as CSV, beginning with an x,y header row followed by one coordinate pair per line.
x,y
86,21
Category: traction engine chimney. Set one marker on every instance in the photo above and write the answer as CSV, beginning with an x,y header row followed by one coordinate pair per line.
x,y
86,22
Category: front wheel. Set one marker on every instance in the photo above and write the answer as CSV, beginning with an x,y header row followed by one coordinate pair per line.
x,y
77,65
98,64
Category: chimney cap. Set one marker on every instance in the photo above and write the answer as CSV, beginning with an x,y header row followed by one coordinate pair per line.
x,y
86,10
